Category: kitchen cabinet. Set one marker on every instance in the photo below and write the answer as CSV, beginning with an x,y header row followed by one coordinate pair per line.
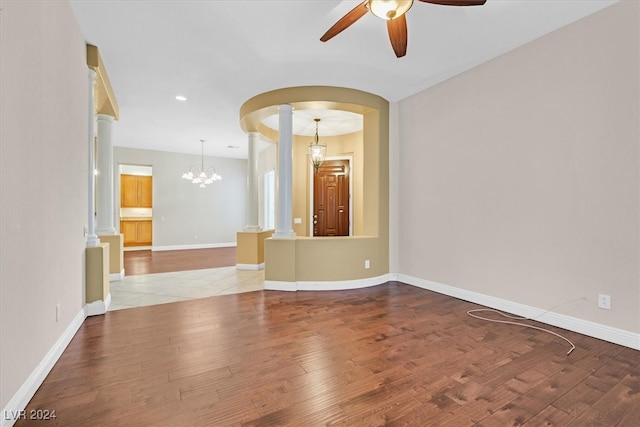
x,y
137,232
136,191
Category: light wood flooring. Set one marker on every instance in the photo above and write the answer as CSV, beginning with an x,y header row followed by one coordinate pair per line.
x,y
392,355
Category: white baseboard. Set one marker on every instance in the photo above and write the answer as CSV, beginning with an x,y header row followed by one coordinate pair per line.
x,y
585,327
253,267
98,307
24,394
333,285
338,285
276,285
202,246
136,248
116,276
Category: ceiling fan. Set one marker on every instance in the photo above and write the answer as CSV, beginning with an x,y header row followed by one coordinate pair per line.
x,y
393,12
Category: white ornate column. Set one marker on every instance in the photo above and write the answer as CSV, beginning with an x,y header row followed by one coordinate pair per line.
x,y
92,237
252,184
105,218
284,175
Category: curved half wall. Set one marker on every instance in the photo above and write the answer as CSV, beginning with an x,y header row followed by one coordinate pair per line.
x,y
317,263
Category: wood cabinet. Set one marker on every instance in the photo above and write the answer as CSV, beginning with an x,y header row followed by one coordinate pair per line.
x,y
136,191
137,232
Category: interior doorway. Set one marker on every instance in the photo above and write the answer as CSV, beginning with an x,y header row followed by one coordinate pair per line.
x,y
331,210
136,206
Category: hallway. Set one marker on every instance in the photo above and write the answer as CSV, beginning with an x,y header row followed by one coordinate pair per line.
x,y
180,276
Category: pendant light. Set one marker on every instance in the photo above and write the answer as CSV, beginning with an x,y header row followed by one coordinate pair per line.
x,y
317,151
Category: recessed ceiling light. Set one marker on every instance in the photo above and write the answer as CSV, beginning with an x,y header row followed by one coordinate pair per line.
x,y
232,146
181,98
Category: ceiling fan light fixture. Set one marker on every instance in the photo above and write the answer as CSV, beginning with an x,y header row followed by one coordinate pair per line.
x,y
389,9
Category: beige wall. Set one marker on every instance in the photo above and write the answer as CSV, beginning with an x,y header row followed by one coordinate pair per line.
x,y
43,116
250,250
97,273
519,179
116,252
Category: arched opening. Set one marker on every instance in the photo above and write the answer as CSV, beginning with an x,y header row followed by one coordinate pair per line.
x,y
362,258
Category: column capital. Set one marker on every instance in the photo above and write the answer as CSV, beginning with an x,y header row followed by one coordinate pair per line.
x,y
105,117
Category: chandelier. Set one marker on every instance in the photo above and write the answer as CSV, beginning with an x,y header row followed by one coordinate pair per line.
x,y
202,176
317,151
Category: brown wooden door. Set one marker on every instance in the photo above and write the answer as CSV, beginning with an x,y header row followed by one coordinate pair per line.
x,y
331,199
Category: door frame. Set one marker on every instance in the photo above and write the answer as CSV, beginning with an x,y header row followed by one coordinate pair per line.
x,y
349,158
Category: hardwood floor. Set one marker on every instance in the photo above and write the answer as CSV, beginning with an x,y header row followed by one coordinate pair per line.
x,y
148,262
392,355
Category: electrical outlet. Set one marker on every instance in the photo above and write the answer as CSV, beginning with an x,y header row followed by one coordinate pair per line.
x,y
604,301
58,312
367,264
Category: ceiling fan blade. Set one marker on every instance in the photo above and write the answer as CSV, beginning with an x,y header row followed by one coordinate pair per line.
x,y
398,35
456,2
346,21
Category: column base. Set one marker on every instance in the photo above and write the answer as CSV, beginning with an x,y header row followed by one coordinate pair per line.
x,y
110,231
93,241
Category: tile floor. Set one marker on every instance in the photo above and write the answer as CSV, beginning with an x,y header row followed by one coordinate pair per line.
x,y
160,288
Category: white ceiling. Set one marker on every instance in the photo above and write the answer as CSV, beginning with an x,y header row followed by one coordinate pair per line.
x,y
220,53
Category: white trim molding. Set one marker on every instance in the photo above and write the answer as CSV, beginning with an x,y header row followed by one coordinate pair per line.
x,y
585,327
202,246
98,307
333,285
251,267
116,276
277,285
24,394
342,284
